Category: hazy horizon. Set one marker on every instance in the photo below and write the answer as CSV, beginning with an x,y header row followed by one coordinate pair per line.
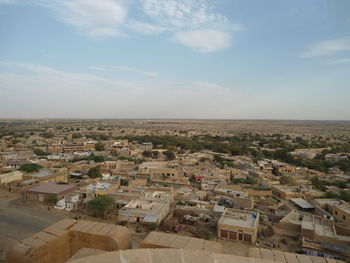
x,y
175,59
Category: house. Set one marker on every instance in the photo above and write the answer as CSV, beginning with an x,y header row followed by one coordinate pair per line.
x,y
101,188
240,225
44,192
289,192
312,227
265,167
283,168
240,199
152,207
342,212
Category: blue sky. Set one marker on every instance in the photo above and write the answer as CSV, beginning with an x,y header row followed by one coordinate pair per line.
x,y
226,59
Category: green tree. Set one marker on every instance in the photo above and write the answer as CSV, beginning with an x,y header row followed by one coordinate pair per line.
x,y
124,182
97,158
209,235
169,155
30,167
51,199
203,159
331,194
319,184
40,152
152,226
47,135
99,146
100,205
345,195
94,172
147,154
76,135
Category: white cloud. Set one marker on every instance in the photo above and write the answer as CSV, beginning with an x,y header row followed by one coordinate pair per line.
x,y
100,69
183,13
146,73
146,28
339,61
95,18
184,19
327,47
204,40
127,69
29,67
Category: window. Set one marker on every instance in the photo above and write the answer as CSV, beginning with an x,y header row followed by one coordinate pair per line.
x,y
233,235
224,233
248,238
344,217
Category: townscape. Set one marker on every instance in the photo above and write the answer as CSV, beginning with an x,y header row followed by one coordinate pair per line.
x,y
268,190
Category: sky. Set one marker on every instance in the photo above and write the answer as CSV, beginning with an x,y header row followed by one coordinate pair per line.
x,y
175,59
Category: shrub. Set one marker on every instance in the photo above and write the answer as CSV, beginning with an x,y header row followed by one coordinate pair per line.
x,y
94,172
152,226
30,167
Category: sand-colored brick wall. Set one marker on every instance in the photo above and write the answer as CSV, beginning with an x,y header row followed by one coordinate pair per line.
x,y
60,241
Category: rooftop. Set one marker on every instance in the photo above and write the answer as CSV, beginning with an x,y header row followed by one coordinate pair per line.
x,y
239,218
302,203
52,188
345,208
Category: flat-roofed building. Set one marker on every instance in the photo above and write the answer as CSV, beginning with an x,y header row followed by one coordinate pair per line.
x,y
42,192
289,192
240,199
152,207
283,168
144,211
240,225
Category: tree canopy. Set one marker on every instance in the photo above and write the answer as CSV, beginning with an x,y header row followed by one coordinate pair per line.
x,y
99,146
169,155
30,167
101,204
94,172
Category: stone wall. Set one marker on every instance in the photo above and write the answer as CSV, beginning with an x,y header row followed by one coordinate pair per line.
x,y
62,240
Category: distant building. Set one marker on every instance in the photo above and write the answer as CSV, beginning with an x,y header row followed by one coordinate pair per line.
x,y
283,168
342,212
146,146
289,192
